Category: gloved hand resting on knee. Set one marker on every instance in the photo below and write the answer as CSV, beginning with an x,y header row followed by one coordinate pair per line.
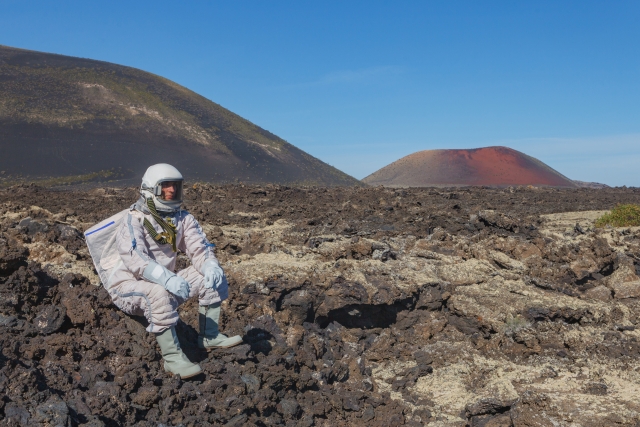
x,y
178,286
170,281
213,274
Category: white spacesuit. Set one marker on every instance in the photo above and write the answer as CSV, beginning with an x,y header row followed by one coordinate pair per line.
x,y
144,282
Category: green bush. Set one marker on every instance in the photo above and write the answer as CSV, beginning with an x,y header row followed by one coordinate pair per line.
x,y
621,216
514,324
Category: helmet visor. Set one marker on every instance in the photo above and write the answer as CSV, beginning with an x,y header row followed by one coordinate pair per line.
x,y
169,190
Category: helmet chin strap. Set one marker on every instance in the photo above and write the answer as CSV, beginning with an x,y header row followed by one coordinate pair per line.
x,y
168,235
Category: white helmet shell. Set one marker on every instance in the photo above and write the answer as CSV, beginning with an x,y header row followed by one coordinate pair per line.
x,y
152,186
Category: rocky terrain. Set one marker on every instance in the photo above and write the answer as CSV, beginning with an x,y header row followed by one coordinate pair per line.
x,y
358,306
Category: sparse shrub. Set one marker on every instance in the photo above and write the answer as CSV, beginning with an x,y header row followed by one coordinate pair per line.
x,y
621,216
514,324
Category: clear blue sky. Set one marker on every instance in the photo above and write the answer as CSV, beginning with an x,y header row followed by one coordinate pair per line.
x,y
360,84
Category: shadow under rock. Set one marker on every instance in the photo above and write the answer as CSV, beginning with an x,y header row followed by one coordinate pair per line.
x,y
259,340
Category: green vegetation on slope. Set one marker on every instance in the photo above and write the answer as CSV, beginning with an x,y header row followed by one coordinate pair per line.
x,y
621,216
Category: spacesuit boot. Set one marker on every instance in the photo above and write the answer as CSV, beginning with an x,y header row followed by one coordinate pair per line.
x,y
209,337
174,359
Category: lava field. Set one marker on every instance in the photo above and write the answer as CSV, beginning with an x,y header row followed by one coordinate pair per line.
x,y
358,306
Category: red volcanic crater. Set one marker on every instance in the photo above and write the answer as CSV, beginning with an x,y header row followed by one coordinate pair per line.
x,y
490,166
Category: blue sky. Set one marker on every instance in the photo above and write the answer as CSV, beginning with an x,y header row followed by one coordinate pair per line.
x,y
360,84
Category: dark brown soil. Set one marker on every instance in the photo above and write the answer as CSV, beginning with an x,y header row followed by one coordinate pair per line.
x,y
69,357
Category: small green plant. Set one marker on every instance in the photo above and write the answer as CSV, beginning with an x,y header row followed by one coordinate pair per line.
x,y
621,216
513,324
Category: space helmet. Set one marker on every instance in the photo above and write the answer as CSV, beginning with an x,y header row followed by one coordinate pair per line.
x,y
152,186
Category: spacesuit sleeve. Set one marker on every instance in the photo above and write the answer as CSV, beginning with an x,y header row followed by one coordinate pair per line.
x,y
195,243
131,246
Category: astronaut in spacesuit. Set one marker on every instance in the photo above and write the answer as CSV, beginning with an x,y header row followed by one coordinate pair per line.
x,y
144,281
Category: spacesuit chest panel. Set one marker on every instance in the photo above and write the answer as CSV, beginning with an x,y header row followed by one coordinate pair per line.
x,y
163,254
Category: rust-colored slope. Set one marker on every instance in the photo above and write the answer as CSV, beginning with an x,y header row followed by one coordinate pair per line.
x,y
491,166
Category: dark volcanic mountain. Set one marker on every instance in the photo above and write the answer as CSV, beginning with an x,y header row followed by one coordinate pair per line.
x,y
65,116
490,166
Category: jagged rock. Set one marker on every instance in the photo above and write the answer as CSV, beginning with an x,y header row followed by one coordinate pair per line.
x,y
14,413
601,293
535,410
12,255
289,407
505,261
32,226
466,273
49,319
488,406
499,220
53,412
146,396
626,289
351,313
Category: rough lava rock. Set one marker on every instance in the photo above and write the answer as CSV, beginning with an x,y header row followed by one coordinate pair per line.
x,y
357,306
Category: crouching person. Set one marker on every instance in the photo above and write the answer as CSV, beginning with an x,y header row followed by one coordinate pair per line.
x,y
144,282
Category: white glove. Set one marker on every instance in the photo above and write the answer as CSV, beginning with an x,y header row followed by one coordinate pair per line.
x,y
178,286
169,280
213,274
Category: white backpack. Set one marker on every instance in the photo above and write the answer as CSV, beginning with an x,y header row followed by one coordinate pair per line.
x,y
101,241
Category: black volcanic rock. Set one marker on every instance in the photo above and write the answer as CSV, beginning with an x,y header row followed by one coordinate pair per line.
x,y
62,116
476,319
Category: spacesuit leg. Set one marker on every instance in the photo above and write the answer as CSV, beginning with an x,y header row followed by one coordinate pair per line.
x,y
209,311
140,297
143,298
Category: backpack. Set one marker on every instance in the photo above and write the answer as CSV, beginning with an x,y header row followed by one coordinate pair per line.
x,y
101,241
